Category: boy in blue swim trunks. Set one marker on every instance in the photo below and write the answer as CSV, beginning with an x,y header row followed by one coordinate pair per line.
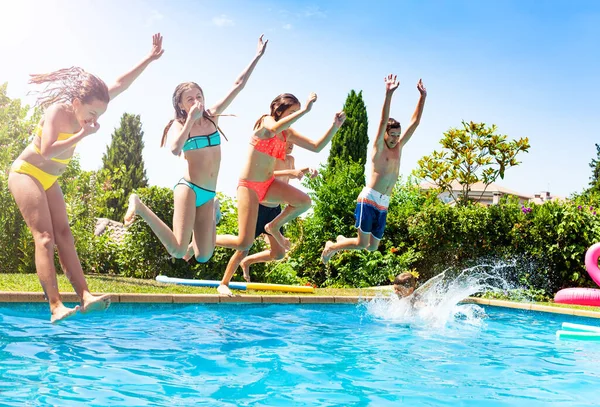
x,y
373,201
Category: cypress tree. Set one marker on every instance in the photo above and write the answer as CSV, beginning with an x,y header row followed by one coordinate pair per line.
x,y
123,165
351,141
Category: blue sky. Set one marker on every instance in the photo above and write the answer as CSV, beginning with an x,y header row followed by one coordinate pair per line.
x,y
530,67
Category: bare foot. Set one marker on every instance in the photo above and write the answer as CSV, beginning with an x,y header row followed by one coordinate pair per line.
x,y
285,243
61,312
246,269
327,252
190,252
224,290
134,201
95,303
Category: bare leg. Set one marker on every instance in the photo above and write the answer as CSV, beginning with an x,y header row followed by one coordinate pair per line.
x,y
345,243
373,244
232,266
297,203
68,255
33,204
176,241
276,252
247,214
203,239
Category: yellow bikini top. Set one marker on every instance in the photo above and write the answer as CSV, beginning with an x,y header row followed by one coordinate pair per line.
x,y
61,136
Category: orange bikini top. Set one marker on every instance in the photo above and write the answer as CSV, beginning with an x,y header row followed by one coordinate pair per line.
x,y
274,146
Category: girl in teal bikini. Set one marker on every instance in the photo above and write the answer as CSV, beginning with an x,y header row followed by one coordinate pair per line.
x,y
73,101
195,132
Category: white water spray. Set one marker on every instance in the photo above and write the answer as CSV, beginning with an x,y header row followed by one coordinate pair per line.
x,y
436,303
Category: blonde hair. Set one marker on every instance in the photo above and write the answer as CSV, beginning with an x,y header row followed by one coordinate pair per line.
x,y
66,85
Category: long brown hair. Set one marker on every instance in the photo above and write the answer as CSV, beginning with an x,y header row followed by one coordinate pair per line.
x,y
279,105
66,85
180,114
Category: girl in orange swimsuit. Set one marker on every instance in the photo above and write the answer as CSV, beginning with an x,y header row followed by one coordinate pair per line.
x,y
257,183
73,100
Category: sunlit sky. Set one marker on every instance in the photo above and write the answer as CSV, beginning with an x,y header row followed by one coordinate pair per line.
x,y
530,67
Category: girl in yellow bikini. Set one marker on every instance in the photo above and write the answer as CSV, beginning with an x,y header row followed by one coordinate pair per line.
x,y
73,101
194,132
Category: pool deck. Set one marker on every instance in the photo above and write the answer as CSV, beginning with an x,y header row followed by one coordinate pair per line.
x,y
9,296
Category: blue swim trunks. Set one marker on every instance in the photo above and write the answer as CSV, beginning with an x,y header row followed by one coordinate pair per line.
x,y
371,212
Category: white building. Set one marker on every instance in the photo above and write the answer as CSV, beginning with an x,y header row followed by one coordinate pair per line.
x,y
490,195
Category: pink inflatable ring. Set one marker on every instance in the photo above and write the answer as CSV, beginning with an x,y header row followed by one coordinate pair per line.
x,y
584,296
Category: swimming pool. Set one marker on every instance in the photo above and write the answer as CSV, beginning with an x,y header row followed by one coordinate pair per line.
x,y
280,355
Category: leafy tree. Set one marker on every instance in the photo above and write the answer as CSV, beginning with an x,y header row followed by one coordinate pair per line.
x,y
471,154
595,166
16,249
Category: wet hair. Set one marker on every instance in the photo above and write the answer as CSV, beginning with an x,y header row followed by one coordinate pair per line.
x,y
392,124
279,105
66,85
406,280
180,114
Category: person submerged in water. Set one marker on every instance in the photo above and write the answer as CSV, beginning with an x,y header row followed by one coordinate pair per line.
x,y
404,285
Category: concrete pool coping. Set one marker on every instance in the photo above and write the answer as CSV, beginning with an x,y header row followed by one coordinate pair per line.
x,y
15,296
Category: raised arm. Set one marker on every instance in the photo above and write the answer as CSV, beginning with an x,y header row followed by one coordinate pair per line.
x,y
318,145
50,145
416,117
125,80
241,81
270,127
391,84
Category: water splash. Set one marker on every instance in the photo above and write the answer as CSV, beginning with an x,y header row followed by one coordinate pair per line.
x,y
436,303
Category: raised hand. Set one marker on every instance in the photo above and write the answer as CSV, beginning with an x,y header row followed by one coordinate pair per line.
x,y
297,174
421,88
262,46
90,127
312,98
196,111
391,84
339,119
157,49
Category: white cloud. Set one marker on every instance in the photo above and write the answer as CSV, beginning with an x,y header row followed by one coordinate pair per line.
x,y
287,26
154,16
314,11
223,21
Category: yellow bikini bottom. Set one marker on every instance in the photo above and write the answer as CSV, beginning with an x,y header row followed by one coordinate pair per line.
x,y
23,167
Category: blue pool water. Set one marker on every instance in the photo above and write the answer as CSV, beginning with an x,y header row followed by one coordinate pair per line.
x,y
281,355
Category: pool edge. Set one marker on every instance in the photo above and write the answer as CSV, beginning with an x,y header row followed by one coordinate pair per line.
x,y
20,296
16,296
533,307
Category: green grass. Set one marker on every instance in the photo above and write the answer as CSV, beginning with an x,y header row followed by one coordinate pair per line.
x,y
584,307
114,284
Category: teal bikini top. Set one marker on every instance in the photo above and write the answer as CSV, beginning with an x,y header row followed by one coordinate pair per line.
x,y
198,142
